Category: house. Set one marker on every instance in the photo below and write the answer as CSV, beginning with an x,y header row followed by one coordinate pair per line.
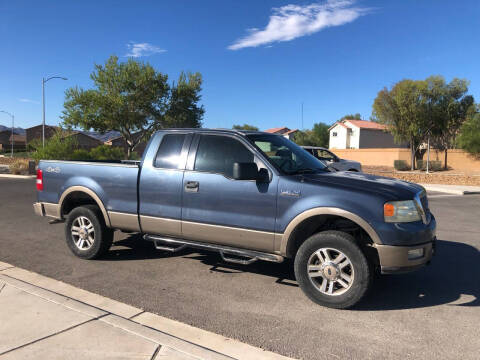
x,y
6,140
120,142
35,132
85,141
284,131
360,134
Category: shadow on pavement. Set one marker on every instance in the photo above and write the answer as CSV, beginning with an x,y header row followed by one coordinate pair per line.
x,y
452,277
453,272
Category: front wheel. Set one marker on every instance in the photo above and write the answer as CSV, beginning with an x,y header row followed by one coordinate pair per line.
x,y
332,270
86,234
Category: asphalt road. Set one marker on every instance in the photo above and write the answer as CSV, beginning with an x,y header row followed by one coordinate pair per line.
x,y
432,313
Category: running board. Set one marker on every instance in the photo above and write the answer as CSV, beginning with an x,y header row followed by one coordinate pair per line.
x,y
240,256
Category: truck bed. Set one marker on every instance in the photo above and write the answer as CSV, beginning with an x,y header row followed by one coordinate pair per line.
x,y
115,182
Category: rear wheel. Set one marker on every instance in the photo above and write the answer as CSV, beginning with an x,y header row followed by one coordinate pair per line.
x,y
86,234
332,270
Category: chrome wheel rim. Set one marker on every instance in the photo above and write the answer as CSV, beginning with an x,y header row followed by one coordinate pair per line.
x,y
83,233
330,271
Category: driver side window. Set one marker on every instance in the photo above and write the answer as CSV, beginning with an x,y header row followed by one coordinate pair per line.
x,y
217,154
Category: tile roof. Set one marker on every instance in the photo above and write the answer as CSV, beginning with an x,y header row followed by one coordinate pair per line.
x,y
277,130
364,124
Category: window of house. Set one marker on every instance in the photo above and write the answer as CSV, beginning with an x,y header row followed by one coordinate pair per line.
x,y
334,133
169,152
217,154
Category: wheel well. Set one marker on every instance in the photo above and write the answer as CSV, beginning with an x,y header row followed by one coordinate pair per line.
x,y
319,223
76,199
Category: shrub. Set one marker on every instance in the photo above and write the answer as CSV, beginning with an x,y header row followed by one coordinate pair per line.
x,y
58,147
19,167
106,152
435,165
134,156
400,165
81,154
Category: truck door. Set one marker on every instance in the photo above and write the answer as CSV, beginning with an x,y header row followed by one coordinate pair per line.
x,y
218,209
160,186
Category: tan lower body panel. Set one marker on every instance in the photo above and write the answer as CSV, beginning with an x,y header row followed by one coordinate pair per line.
x,y
161,226
124,221
225,235
397,256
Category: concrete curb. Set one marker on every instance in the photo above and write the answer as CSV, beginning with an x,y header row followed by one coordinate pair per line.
x,y
176,335
11,176
453,189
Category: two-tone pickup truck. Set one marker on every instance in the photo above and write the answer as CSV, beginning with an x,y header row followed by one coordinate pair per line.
x,y
250,196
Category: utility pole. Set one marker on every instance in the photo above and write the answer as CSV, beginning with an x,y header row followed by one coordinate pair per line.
x,y
43,104
302,115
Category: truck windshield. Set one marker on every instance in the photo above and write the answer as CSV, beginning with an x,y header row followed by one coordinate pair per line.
x,y
285,155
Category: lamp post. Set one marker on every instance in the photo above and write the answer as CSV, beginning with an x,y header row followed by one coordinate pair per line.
x,y
13,125
44,80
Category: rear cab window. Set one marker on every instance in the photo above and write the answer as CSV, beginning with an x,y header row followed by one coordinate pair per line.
x,y
170,151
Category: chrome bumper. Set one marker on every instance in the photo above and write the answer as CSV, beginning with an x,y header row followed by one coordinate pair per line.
x,y
47,209
396,259
38,208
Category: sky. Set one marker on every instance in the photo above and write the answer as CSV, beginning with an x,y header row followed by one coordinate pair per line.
x,y
260,60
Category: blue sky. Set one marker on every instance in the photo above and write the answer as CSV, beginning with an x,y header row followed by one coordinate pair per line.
x,y
334,57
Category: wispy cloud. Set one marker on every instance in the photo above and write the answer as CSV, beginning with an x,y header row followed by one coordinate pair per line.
x,y
142,49
30,101
292,21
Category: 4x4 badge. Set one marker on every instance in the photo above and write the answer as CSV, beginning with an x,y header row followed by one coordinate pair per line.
x,y
295,193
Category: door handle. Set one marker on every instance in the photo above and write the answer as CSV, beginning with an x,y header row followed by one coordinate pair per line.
x,y
192,186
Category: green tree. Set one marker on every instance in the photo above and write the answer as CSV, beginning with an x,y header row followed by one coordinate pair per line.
x,y
356,116
317,136
403,110
245,127
135,100
447,107
469,138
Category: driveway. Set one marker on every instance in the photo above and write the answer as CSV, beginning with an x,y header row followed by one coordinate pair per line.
x,y
432,313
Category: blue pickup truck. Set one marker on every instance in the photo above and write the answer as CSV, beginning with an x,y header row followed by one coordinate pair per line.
x,y
250,196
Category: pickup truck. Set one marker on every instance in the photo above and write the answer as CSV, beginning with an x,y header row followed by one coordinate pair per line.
x,y
250,196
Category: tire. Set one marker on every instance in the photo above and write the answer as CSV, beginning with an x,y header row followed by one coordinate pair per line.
x,y
93,239
351,278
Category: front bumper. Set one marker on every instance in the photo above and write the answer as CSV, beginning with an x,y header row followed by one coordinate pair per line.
x,y
47,209
396,259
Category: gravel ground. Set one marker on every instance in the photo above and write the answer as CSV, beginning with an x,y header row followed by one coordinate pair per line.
x,y
450,177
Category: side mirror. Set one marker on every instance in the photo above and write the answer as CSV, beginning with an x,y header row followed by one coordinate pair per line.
x,y
263,176
245,171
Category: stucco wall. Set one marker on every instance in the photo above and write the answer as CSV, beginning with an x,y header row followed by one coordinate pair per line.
x,y
457,159
339,141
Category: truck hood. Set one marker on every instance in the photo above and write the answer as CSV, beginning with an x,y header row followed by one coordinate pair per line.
x,y
390,189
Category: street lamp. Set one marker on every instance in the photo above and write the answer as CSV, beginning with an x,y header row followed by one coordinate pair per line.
x,y
43,103
13,124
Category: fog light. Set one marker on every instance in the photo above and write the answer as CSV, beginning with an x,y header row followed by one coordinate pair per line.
x,y
415,254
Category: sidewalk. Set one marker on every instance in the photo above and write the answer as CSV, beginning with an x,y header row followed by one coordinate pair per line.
x,y
42,318
453,189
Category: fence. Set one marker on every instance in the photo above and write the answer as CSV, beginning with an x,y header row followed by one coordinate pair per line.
x,y
456,159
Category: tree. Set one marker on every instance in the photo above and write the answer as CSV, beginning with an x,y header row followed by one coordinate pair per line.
x,y
356,116
403,110
447,107
318,136
469,138
135,100
245,127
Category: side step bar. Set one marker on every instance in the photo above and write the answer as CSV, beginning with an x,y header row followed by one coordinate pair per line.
x,y
240,256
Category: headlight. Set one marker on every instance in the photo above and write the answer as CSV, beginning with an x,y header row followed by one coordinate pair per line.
x,y
401,211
